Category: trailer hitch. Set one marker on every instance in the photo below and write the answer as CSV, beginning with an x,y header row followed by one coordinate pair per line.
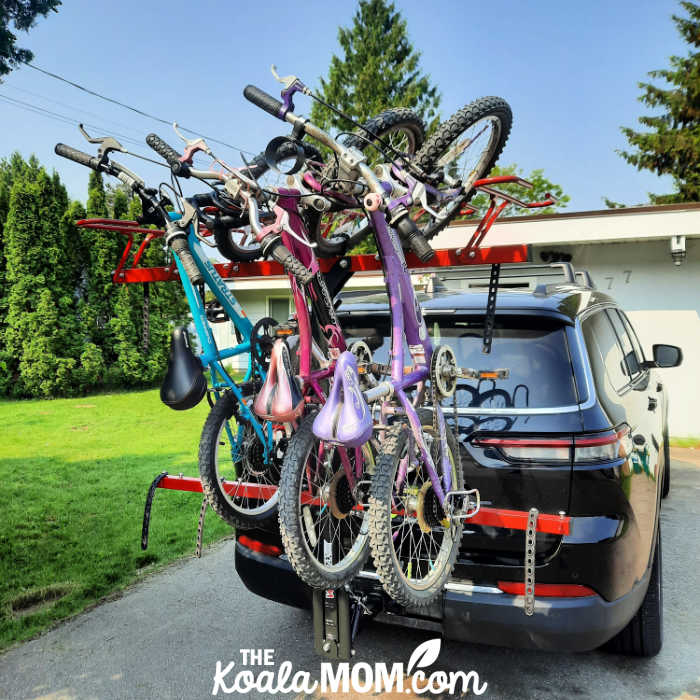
x,y
336,620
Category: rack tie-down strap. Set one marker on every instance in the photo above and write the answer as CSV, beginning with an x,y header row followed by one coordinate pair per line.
x,y
530,540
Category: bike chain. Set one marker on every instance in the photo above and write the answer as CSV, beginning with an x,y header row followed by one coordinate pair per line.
x,y
530,540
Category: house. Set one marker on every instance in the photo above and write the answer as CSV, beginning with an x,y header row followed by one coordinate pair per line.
x,y
647,258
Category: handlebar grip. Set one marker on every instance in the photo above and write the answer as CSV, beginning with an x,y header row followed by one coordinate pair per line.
x,y
169,153
181,249
414,239
278,251
261,99
78,156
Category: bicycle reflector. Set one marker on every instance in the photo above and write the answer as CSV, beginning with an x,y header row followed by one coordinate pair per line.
x,y
604,447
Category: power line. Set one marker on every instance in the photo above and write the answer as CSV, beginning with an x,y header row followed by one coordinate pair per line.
x,y
133,109
100,117
42,111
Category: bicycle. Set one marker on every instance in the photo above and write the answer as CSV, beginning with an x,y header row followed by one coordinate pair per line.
x,y
232,455
318,343
432,486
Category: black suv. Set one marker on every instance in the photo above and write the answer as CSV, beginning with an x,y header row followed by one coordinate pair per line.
x,y
576,427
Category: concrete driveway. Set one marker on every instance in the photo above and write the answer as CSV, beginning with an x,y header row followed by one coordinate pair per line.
x,y
162,639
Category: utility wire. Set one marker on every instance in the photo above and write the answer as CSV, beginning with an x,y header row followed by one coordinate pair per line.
x,y
102,119
133,109
29,107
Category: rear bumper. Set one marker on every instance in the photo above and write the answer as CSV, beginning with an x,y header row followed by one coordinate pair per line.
x,y
468,613
558,624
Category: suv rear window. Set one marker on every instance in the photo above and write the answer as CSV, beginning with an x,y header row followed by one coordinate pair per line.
x,y
534,351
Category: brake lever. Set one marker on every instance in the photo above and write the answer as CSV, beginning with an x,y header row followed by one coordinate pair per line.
x,y
281,225
289,81
192,146
107,144
420,193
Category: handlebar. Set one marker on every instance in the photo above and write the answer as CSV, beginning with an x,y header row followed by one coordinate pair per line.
x,y
177,240
178,244
170,154
276,250
266,102
414,239
78,156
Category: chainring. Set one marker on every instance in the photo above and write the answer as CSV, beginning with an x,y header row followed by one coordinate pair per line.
x,y
262,339
443,371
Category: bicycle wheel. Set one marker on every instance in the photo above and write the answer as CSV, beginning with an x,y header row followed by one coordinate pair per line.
x,y
336,232
238,243
413,546
463,149
325,534
234,453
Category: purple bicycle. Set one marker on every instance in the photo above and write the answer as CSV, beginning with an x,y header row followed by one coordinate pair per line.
x,y
414,492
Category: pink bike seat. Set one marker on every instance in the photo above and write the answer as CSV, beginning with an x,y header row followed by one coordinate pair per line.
x,y
280,398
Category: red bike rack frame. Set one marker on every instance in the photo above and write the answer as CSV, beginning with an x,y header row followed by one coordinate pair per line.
x,y
471,254
492,517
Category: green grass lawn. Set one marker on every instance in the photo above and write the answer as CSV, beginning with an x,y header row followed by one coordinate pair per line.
x,y
692,442
74,475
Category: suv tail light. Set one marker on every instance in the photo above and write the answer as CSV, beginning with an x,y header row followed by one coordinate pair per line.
x,y
603,447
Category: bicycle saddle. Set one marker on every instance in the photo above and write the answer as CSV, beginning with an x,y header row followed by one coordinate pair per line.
x,y
184,385
345,417
280,398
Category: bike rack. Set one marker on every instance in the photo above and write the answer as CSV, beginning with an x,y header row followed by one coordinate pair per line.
x,y
336,619
471,254
337,612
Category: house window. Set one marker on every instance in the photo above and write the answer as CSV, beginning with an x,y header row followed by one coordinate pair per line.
x,y
278,308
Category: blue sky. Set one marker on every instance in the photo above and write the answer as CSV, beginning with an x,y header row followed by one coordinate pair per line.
x,y
568,69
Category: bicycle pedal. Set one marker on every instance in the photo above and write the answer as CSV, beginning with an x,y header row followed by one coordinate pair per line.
x,y
469,503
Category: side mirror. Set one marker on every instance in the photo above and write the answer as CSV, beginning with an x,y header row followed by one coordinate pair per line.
x,y
665,356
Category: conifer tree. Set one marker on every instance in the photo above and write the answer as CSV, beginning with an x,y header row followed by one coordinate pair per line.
x,y
671,145
103,249
40,334
379,69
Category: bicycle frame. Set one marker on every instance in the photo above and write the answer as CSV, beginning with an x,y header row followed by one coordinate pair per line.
x,y
407,321
211,357
319,300
314,308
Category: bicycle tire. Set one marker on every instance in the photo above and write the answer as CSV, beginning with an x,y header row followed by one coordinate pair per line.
x,y
230,507
382,523
296,526
225,242
398,119
439,143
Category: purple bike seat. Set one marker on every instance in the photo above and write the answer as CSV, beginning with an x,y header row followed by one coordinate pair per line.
x,y
280,398
345,417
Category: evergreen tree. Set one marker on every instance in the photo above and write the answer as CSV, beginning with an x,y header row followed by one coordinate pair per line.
x,y
379,69
671,146
22,14
40,336
103,249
